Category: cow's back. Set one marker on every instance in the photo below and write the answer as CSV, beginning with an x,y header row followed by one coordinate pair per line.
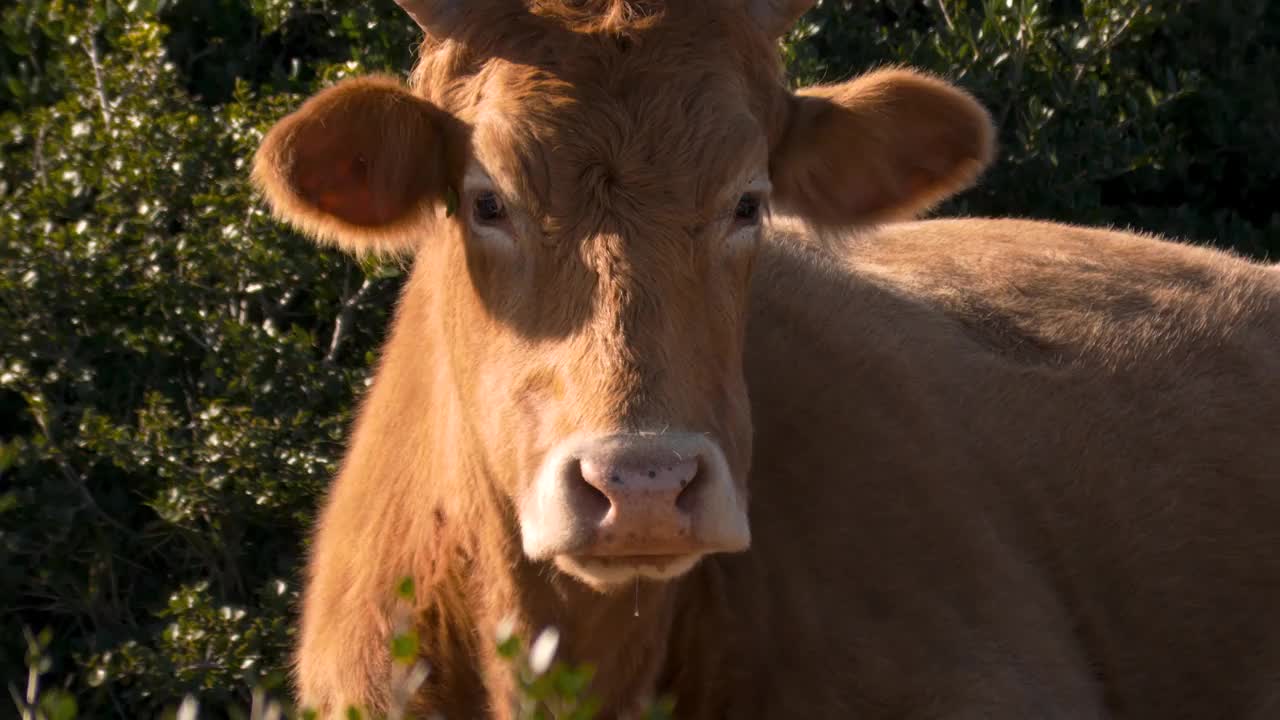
x,y
1022,462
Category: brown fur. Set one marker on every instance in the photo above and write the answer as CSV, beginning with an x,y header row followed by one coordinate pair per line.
x,y
997,468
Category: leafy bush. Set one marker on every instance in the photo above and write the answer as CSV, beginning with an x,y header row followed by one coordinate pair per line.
x,y
177,371
548,688
1156,115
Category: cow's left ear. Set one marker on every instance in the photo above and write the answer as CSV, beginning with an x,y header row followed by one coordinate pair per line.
x,y
885,146
361,164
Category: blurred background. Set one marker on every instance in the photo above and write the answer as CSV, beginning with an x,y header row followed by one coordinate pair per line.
x,y
173,391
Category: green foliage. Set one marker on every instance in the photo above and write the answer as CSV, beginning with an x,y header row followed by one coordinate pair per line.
x,y
178,371
35,703
548,690
172,396
1150,114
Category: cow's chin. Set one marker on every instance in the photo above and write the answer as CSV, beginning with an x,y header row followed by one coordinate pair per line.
x,y
609,572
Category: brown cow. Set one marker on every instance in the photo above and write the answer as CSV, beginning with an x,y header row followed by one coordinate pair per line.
x,y
997,468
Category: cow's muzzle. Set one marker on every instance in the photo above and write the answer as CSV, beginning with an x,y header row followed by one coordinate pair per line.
x,y
619,506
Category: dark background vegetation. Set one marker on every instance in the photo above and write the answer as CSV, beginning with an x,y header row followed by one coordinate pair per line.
x,y
172,395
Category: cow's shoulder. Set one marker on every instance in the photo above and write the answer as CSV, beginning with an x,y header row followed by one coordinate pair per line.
x,y
1041,291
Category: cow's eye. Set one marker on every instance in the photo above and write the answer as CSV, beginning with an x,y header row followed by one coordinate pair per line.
x,y
488,208
748,210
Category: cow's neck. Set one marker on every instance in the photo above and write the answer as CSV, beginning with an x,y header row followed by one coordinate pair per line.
x,y
625,633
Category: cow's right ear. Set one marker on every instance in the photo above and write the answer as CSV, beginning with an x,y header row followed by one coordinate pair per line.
x,y
360,164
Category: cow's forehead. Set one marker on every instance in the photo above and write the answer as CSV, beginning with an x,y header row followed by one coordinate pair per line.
x,y
653,117
650,145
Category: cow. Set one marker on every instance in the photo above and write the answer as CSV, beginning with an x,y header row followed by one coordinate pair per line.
x,y
681,371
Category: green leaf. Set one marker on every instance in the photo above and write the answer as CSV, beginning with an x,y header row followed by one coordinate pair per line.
x,y
58,705
570,682
539,689
586,709
405,588
404,647
509,647
450,202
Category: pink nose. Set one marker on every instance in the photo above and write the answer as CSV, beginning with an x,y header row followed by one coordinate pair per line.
x,y
634,495
650,503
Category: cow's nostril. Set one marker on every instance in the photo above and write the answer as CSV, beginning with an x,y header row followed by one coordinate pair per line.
x,y
689,490
589,499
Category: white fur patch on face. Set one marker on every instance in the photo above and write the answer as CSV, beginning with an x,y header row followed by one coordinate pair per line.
x,y
605,573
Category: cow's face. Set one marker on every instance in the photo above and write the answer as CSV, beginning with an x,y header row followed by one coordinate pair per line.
x,y
587,194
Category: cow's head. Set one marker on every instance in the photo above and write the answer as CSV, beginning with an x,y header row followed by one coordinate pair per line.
x,y
584,184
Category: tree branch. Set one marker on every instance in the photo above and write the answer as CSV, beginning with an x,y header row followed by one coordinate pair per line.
x,y
342,325
37,155
91,49
946,16
73,478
